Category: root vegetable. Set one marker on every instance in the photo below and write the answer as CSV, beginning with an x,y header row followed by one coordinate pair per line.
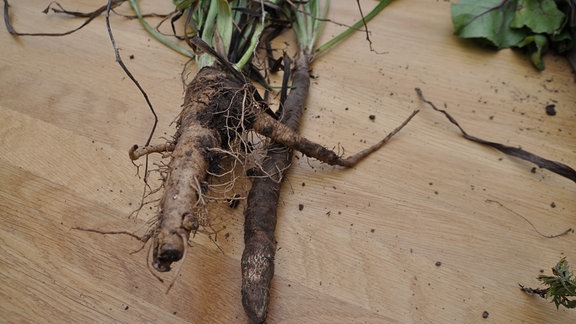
x,y
218,106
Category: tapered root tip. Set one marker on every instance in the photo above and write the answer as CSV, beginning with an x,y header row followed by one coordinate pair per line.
x,y
257,273
255,304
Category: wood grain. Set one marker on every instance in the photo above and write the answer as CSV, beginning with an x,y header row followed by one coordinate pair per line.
x,y
365,246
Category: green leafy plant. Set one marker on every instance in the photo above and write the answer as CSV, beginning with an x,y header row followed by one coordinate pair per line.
x,y
561,286
532,25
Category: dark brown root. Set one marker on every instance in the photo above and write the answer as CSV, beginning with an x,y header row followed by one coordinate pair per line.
x,y
271,128
260,215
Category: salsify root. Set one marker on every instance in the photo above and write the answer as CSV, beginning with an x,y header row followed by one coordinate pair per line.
x,y
219,106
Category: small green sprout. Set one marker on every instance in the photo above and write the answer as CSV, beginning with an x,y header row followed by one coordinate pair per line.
x,y
561,286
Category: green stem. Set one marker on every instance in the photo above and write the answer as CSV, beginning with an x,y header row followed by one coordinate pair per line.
x,y
248,54
161,38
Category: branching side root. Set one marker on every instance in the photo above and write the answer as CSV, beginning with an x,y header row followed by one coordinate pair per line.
x,y
137,152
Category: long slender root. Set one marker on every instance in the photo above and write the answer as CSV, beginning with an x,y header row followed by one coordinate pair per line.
x,y
271,128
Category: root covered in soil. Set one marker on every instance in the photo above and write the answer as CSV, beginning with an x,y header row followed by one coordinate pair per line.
x,y
220,107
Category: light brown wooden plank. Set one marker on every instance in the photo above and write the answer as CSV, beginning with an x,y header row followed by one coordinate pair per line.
x,y
365,245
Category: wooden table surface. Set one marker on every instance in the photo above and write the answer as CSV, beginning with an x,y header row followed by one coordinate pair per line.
x,y
405,236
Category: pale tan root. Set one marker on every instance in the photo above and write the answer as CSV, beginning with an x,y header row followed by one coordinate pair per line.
x,y
182,206
137,152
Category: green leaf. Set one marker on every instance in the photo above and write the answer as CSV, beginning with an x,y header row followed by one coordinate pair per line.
x,y
541,16
562,42
488,20
536,46
533,25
